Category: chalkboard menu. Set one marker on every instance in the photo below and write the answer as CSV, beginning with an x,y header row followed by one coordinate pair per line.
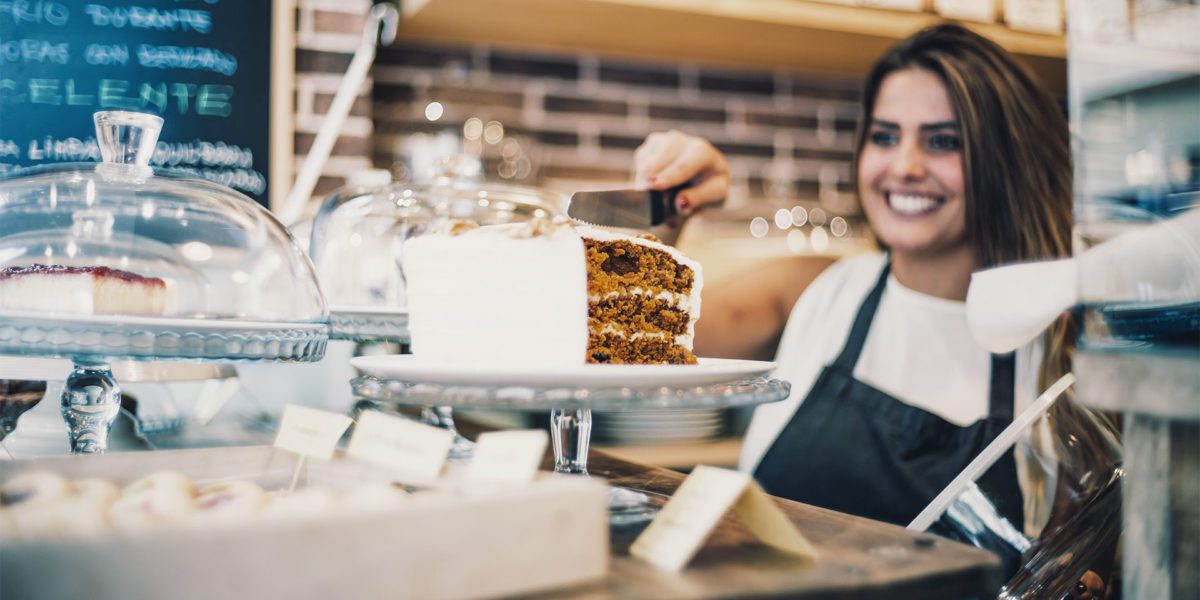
x,y
203,65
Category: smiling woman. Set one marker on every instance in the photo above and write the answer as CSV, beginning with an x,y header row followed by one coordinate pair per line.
x,y
961,163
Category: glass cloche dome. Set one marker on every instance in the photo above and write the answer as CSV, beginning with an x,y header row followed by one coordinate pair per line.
x,y
358,235
118,260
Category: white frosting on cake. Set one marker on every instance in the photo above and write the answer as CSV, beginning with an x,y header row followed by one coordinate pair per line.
x,y
498,295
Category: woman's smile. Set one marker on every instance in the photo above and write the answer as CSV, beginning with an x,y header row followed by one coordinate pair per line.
x,y
913,204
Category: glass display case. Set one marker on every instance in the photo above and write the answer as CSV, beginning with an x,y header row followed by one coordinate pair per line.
x,y
119,260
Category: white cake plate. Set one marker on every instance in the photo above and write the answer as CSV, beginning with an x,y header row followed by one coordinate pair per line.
x,y
571,412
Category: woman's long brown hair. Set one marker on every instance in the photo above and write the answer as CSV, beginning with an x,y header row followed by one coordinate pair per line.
x,y
1016,155
1017,173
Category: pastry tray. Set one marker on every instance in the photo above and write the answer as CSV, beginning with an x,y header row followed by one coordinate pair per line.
x,y
450,543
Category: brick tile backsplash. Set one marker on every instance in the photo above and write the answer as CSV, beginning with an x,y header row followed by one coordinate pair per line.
x,y
637,75
719,82
360,108
585,105
415,55
337,22
533,66
580,116
343,146
316,61
679,112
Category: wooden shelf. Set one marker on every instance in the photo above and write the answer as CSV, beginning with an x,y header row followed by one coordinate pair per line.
x,y
718,453
791,34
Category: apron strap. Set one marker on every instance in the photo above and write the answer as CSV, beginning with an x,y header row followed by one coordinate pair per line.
x,y
1002,393
862,323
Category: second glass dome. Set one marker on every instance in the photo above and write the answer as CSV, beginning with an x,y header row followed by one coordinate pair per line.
x,y
358,235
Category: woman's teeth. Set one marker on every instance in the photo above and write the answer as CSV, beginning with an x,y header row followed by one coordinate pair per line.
x,y
907,204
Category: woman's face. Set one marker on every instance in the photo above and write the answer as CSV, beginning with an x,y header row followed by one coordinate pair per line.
x,y
910,171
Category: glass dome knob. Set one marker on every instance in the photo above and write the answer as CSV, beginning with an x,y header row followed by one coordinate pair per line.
x,y
127,137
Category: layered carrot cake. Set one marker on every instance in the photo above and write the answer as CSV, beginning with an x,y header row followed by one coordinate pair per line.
x,y
643,300
550,293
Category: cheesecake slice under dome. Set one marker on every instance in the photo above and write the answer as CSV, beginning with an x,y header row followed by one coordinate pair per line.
x,y
83,291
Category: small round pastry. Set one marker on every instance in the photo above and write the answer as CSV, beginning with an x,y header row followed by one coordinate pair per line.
x,y
229,500
96,489
34,487
374,497
161,480
154,500
65,517
304,503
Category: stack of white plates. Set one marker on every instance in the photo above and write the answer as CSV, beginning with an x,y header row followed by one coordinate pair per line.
x,y
664,426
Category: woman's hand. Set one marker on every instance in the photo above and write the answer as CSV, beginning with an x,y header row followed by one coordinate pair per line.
x,y
668,159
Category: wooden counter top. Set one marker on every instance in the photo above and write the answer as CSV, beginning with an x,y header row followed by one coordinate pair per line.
x,y
857,558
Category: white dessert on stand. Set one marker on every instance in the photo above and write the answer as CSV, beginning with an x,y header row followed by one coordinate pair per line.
x,y
83,291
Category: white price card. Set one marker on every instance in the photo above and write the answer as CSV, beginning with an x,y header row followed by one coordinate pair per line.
x,y
507,456
310,432
679,530
416,452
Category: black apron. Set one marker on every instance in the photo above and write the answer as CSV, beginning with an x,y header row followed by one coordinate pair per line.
x,y
855,449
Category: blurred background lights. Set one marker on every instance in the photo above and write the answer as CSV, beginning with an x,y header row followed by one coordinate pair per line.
x,y
783,218
759,227
816,216
510,149
838,226
796,241
820,239
493,132
473,128
799,216
433,111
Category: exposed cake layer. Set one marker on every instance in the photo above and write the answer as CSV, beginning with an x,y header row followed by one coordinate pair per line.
x,y
639,313
82,290
621,349
644,299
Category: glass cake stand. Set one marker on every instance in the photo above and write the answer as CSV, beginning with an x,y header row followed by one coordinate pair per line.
x,y
357,248
370,325
91,397
233,283
571,415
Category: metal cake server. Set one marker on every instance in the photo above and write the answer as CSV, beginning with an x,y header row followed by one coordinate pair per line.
x,y
631,209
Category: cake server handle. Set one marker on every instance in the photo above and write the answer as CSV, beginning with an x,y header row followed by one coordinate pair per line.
x,y
662,204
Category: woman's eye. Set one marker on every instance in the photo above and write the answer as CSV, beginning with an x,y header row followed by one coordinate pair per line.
x,y
883,138
945,142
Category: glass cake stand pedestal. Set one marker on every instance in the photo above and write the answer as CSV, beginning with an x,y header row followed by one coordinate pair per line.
x,y
368,326
571,415
91,397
